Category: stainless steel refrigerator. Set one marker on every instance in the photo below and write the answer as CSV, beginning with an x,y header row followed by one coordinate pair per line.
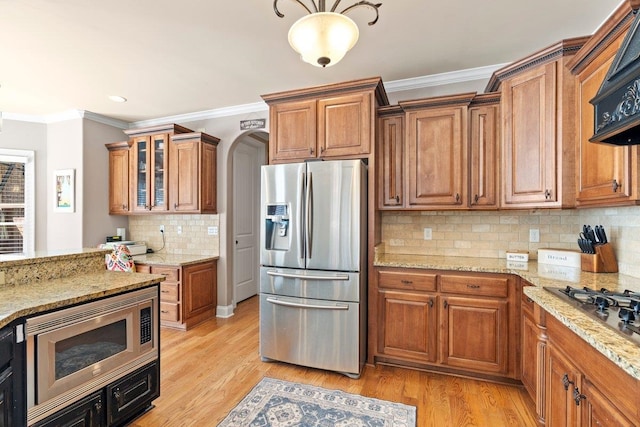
x,y
313,260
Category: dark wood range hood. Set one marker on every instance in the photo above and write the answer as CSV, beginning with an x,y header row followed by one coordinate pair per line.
x,y
617,103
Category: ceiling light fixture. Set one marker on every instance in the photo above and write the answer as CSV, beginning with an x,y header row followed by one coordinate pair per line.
x,y
117,98
322,38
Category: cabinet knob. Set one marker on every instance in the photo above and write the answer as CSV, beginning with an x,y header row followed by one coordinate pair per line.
x,y
321,150
310,150
615,185
175,206
476,198
446,304
457,198
577,396
566,382
117,395
397,199
431,302
124,207
97,406
547,194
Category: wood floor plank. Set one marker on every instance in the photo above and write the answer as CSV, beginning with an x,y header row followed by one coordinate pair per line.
x,y
207,370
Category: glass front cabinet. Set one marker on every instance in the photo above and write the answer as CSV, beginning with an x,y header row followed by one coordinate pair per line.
x,y
149,177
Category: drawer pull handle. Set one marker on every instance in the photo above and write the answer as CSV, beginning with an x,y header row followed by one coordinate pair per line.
x,y
164,311
164,292
473,286
431,302
529,300
406,282
566,382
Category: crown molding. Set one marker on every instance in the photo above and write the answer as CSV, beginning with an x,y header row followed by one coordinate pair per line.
x,y
204,115
460,76
469,74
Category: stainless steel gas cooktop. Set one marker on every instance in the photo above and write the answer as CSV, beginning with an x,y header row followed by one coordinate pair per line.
x,y
618,310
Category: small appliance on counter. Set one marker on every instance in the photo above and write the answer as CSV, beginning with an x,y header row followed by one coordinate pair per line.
x,y
135,248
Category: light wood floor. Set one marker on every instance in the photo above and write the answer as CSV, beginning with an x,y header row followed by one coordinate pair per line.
x,y
207,370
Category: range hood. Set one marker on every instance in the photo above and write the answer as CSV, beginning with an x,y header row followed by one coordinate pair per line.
x,y
617,103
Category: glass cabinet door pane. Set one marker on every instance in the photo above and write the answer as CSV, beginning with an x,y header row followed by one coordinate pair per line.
x,y
141,167
158,171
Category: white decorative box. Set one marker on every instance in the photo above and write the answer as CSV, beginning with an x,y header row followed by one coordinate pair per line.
x,y
561,257
518,256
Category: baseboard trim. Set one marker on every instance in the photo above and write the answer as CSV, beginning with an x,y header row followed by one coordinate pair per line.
x,y
224,311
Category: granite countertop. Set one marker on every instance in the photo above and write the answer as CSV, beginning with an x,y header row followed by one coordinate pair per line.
x,y
13,260
621,351
38,297
172,259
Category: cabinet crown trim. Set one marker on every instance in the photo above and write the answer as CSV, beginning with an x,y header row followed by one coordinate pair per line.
x,y
439,101
200,136
166,128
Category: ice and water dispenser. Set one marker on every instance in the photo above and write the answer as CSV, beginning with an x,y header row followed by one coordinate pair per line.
x,y
277,227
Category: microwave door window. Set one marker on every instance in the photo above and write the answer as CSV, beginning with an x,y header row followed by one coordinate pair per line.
x,y
80,351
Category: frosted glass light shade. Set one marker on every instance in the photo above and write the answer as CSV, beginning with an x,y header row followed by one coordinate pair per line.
x,y
322,39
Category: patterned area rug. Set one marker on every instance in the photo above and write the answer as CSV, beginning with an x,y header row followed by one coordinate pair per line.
x,y
277,403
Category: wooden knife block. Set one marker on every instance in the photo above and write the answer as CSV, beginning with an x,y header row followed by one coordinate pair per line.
x,y
603,261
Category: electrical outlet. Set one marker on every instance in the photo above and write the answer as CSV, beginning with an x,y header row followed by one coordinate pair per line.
x,y
179,229
534,235
212,231
427,234
162,228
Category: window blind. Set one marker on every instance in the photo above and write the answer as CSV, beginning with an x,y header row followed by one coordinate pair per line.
x,y
12,206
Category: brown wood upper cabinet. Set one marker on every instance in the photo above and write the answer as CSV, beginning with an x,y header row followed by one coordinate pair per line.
x,y
607,175
143,178
119,202
331,121
192,173
439,153
538,122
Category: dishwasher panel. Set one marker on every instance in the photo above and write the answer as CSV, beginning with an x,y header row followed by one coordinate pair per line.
x,y
314,333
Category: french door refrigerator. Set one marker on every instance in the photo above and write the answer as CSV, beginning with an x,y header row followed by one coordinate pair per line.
x,y
313,260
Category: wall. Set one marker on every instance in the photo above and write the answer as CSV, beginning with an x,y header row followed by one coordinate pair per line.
x,y
96,221
490,234
194,238
19,135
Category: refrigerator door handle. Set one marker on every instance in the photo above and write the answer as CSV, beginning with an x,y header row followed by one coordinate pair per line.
x,y
298,305
307,277
301,215
309,207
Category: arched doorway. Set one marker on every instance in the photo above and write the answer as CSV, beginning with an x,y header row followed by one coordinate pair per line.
x,y
249,152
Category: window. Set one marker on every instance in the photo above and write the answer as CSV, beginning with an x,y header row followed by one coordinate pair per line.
x,y
17,222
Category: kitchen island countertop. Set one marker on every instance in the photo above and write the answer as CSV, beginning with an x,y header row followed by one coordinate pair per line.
x,y
38,297
616,348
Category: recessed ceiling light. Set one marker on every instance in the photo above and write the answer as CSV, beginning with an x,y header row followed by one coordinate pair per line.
x,y
116,98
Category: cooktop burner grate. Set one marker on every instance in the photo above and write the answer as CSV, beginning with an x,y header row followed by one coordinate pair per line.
x,y
618,310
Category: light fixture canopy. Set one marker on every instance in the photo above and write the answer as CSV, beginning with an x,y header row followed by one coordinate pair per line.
x,y
322,38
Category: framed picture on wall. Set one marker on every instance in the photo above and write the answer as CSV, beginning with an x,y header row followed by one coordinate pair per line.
x,y
65,190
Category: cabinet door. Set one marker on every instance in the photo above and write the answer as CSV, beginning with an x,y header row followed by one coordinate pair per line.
x,y
158,172
208,198
149,164
437,157
529,142
119,181
293,131
475,334
344,125
561,378
199,289
88,412
390,175
604,173
409,330
140,162
483,156
530,362
185,172
6,398
598,411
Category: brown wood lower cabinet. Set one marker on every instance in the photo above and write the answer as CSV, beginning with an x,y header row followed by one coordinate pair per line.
x,y
583,387
533,345
457,322
188,295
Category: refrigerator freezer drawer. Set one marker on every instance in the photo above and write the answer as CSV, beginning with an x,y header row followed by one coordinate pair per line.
x,y
324,285
314,333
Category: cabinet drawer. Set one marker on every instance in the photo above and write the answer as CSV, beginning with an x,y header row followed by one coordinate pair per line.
x,y
169,311
475,285
527,304
142,268
6,346
407,281
171,273
169,292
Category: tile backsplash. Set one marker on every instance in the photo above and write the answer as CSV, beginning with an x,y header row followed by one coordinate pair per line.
x,y
194,238
491,234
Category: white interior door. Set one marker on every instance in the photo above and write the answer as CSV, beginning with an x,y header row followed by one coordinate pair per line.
x,y
246,199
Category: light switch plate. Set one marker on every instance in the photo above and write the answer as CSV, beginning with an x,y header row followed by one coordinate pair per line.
x,y
212,231
428,235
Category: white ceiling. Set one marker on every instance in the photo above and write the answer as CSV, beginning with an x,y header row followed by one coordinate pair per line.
x,y
177,57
